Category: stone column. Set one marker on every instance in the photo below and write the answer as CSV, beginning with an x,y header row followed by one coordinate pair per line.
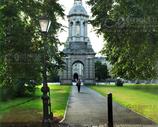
x,y
93,68
90,68
69,35
73,30
70,28
69,69
82,31
64,72
86,29
66,75
86,69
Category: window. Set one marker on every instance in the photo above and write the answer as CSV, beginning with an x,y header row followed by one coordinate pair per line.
x,y
71,23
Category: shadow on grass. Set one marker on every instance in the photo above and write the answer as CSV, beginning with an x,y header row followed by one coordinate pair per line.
x,y
15,105
147,88
153,89
29,110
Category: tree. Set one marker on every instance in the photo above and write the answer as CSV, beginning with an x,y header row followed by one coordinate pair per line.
x,y
21,41
55,67
101,71
130,30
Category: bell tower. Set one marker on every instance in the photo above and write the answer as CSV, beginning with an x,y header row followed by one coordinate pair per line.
x,y
78,48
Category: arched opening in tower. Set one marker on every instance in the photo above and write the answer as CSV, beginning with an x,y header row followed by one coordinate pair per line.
x,y
75,76
77,70
78,28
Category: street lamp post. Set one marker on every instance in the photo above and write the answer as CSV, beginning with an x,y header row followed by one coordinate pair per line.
x,y
47,114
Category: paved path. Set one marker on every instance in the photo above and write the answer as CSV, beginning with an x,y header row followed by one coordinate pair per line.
x,y
89,108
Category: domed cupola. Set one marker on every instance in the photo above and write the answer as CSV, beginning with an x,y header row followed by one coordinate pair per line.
x,y
77,9
78,29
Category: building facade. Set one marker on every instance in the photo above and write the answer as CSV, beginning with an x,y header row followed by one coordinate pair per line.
x,y
80,57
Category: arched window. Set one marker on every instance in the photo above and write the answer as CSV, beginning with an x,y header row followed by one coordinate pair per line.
x,y
84,28
70,28
71,23
77,28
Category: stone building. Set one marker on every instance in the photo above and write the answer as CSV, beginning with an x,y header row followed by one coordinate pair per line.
x,y
80,56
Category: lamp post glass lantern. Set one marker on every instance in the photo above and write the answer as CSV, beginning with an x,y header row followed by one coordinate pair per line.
x,y
47,113
44,24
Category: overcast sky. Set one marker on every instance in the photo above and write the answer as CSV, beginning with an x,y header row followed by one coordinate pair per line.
x,y
97,42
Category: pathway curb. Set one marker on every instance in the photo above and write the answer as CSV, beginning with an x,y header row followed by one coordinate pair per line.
x,y
66,108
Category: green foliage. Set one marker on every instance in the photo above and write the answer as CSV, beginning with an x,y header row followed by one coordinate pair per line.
x,y
53,68
101,71
21,42
23,88
53,76
119,82
130,30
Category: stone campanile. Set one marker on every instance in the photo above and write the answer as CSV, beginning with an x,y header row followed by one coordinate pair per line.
x,y
80,56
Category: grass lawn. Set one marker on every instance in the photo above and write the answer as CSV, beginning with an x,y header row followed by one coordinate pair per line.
x,y
142,99
30,109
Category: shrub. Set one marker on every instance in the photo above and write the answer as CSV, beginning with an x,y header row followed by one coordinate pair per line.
x,y
119,82
6,94
20,89
25,88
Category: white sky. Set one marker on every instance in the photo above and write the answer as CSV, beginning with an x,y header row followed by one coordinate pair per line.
x,y
97,42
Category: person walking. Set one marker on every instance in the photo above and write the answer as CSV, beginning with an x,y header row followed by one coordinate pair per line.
x,y
78,85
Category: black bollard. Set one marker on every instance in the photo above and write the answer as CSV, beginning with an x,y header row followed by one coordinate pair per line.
x,y
110,111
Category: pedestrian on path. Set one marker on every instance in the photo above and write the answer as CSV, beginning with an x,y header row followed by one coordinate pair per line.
x,y
78,85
